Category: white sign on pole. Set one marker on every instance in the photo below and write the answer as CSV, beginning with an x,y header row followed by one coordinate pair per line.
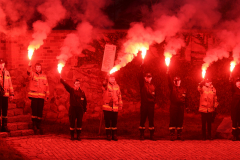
x,y
108,57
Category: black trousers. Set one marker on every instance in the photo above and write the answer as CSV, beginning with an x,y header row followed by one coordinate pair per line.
x,y
147,111
37,108
176,116
110,117
206,120
235,116
3,106
75,113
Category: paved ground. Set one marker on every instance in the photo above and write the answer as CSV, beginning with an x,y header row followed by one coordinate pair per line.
x,y
61,147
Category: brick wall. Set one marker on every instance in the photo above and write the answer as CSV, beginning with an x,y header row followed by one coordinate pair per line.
x,y
14,50
88,70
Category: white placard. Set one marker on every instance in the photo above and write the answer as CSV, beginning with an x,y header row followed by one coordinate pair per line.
x,y
108,57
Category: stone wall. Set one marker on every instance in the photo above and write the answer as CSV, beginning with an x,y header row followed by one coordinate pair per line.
x,y
14,50
186,64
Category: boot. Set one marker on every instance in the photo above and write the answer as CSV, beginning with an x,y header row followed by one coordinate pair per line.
x,y
4,125
204,137
210,137
108,133
234,133
179,134
152,135
172,131
34,125
237,134
114,135
78,135
141,134
72,134
39,126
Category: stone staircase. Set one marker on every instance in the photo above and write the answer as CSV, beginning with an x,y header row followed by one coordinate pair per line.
x,y
18,123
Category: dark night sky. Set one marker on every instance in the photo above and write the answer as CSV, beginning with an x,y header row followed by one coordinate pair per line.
x,y
124,12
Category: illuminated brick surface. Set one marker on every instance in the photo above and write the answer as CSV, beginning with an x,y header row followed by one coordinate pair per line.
x,y
61,147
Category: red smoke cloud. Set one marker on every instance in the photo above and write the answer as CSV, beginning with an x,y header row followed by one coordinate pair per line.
x,y
163,23
53,12
75,42
90,18
14,15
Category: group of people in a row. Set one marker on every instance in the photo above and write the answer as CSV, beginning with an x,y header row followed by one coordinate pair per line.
x,y
112,102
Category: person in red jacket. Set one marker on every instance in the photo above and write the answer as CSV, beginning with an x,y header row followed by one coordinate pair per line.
x,y
38,92
235,108
6,91
112,102
78,106
208,105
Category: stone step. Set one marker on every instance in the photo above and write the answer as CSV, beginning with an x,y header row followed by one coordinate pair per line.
x,y
3,134
19,126
15,112
20,118
25,132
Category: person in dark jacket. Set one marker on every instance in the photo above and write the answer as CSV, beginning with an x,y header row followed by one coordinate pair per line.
x,y
147,90
78,106
178,101
235,108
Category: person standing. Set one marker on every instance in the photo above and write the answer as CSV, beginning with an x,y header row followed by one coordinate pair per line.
x,y
112,102
178,103
6,91
148,96
235,108
78,106
208,105
38,92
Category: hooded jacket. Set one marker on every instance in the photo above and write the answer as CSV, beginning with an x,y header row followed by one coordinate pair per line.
x,y
112,99
147,90
235,94
77,97
38,87
6,83
178,94
208,99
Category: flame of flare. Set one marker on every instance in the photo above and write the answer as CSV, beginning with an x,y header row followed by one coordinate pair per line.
x,y
168,57
60,66
232,65
144,52
114,69
30,53
203,72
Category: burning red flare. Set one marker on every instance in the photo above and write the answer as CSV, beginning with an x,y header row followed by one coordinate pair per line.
x,y
203,72
144,52
30,53
60,66
168,57
114,69
232,65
